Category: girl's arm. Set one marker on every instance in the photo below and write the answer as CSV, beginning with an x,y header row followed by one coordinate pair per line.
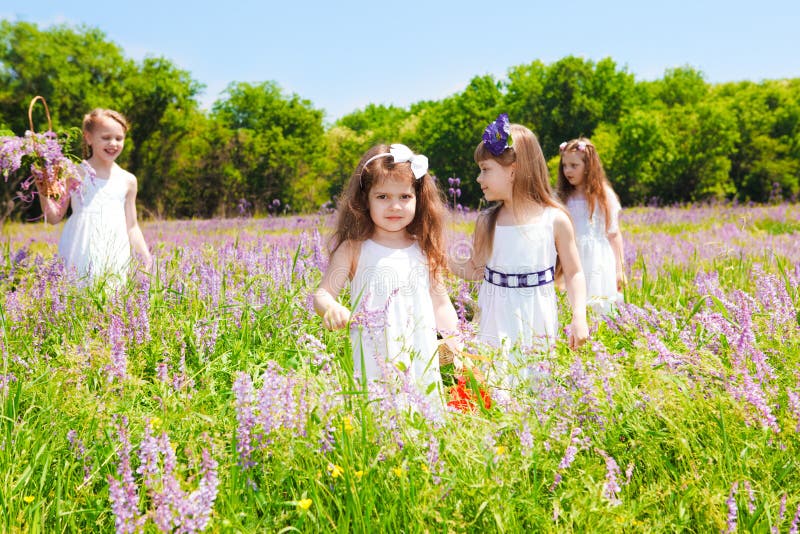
x,y
615,239
614,236
135,235
53,210
467,268
334,315
574,279
445,314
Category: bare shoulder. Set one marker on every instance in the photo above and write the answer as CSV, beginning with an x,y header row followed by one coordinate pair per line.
x,y
560,218
129,177
349,248
342,264
347,253
611,195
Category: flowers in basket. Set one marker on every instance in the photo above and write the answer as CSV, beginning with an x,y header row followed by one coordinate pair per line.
x,y
465,395
43,159
469,388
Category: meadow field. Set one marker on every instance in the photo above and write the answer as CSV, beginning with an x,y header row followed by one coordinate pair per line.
x,y
208,397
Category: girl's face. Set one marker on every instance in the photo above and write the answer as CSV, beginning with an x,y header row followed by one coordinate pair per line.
x,y
574,168
496,181
107,139
392,206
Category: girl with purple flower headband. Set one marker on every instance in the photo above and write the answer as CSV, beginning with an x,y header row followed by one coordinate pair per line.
x,y
103,228
389,246
595,208
517,242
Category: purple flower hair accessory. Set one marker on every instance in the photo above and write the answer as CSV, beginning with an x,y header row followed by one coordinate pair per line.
x,y
497,135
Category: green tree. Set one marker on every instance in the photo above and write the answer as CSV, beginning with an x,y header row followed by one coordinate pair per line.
x,y
525,94
159,100
577,95
766,158
284,139
634,154
74,69
682,86
449,131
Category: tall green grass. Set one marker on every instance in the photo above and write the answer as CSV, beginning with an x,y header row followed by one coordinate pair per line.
x,y
685,437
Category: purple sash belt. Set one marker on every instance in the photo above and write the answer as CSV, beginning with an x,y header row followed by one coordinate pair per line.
x,y
536,279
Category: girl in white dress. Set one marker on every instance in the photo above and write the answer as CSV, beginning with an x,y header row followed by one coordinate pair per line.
x,y
594,207
516,243
98,237
389,245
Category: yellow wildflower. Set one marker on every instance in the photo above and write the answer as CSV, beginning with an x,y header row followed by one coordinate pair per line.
x,y
500,450
359,474
348,424
397,471
155,422
28,499
335,470
304,504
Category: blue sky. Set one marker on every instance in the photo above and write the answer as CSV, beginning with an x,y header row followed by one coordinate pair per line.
x,y
344,55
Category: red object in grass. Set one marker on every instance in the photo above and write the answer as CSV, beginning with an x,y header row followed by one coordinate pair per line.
x,y
462,396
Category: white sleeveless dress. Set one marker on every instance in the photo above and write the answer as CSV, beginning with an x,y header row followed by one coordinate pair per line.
x,y
520,319
393,320
95,237
597,256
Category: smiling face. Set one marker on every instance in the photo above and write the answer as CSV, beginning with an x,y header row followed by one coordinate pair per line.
x,y
574,168
107,139
392,206
496,180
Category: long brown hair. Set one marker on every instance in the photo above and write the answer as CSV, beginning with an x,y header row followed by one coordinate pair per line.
x,y
595,180
354,223
531,184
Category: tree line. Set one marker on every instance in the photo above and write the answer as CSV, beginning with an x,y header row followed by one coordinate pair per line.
x,y
259,149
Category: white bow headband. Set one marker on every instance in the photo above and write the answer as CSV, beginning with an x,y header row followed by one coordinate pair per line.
x,y
401,154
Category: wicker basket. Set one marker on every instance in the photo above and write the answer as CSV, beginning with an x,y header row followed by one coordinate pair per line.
x,y
466,360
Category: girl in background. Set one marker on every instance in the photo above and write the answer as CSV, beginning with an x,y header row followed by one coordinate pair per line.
x,y
595,208
389,245
516,243
98,236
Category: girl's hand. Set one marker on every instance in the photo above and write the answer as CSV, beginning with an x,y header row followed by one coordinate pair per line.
x,y
336,317
578,333
622,280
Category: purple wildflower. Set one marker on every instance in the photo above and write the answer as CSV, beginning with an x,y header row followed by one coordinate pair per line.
x,y
611,487
118,368
434,464
795,521
124,494
243,393
76,445
733,510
